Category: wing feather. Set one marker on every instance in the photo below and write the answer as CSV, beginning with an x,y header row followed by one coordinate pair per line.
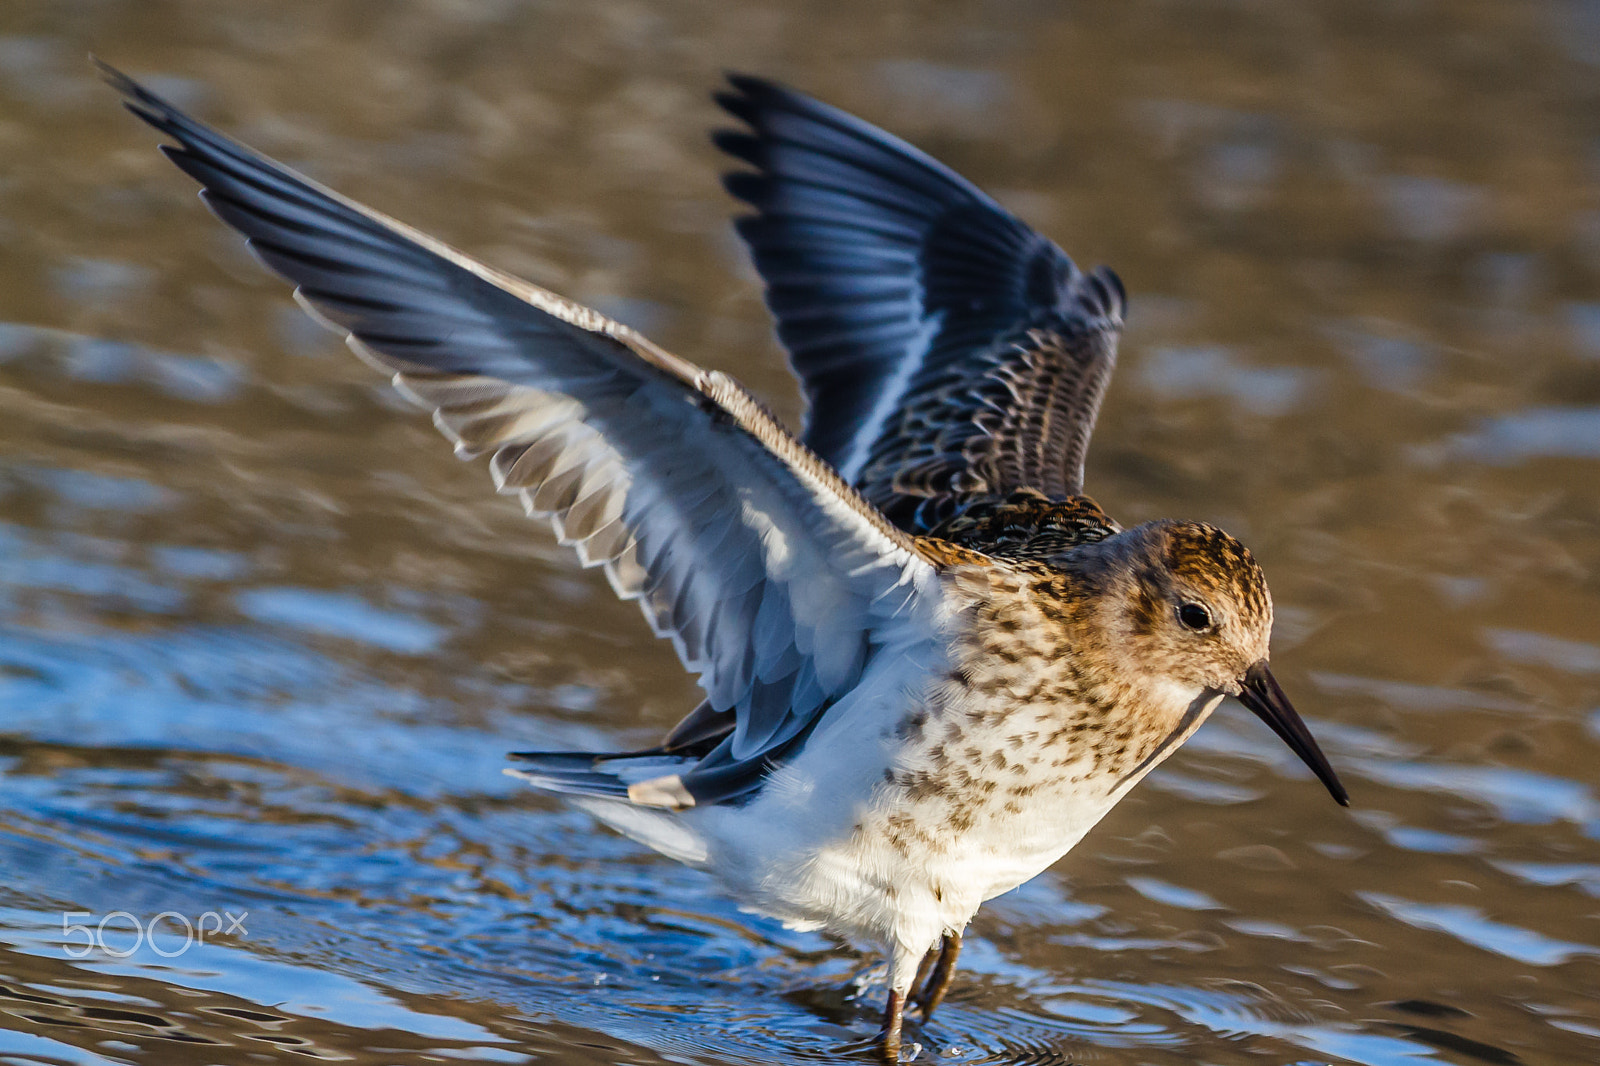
x,y
944,347
772,577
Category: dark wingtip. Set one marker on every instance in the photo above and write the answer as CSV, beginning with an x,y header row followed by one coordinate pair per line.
x,y
745,147
121,82
139,102
751,95
750,84
106,71
730,102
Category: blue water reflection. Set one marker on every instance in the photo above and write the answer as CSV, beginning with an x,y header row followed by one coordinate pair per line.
x,y
261,649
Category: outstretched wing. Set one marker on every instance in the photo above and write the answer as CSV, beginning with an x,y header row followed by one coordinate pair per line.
x,y
945,348
772,577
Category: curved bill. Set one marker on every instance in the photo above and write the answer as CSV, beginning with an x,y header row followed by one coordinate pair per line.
x,y
1260,693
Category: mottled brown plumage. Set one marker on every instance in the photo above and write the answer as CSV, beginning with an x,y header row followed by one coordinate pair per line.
x,y
1016,416
1024,524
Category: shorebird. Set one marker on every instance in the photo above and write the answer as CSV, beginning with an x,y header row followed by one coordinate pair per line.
x,y
931,663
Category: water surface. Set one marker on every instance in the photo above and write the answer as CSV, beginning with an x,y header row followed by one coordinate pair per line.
x,y
264,642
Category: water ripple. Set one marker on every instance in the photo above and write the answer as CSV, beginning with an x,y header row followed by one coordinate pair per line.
x,y
1469,925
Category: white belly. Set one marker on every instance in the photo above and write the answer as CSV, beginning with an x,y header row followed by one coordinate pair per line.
x,y
896,836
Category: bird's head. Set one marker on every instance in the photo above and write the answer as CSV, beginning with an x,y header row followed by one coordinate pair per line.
x,y
1189,604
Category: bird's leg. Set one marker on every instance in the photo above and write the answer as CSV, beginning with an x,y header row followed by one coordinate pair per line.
x,y
893,1016
922,970
932,993
903,967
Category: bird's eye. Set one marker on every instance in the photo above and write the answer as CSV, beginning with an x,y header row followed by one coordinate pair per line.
x,y
1194,617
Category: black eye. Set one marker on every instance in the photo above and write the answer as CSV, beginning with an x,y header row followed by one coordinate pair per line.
x,y
1194,616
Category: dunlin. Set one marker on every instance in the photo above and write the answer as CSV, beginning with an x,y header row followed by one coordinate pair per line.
x,y
930,663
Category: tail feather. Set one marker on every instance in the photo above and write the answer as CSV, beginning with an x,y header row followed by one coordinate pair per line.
x,y
599,783
573,783
655,829
604,775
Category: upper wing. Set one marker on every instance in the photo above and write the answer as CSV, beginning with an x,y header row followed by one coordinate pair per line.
x,y
944,346
771,576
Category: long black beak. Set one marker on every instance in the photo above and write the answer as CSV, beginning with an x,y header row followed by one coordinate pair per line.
x,y
1262,695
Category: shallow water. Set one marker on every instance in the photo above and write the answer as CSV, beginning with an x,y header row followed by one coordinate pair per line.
x,y
263,642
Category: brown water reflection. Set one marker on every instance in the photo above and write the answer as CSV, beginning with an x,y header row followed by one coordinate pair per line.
x,y
263,641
